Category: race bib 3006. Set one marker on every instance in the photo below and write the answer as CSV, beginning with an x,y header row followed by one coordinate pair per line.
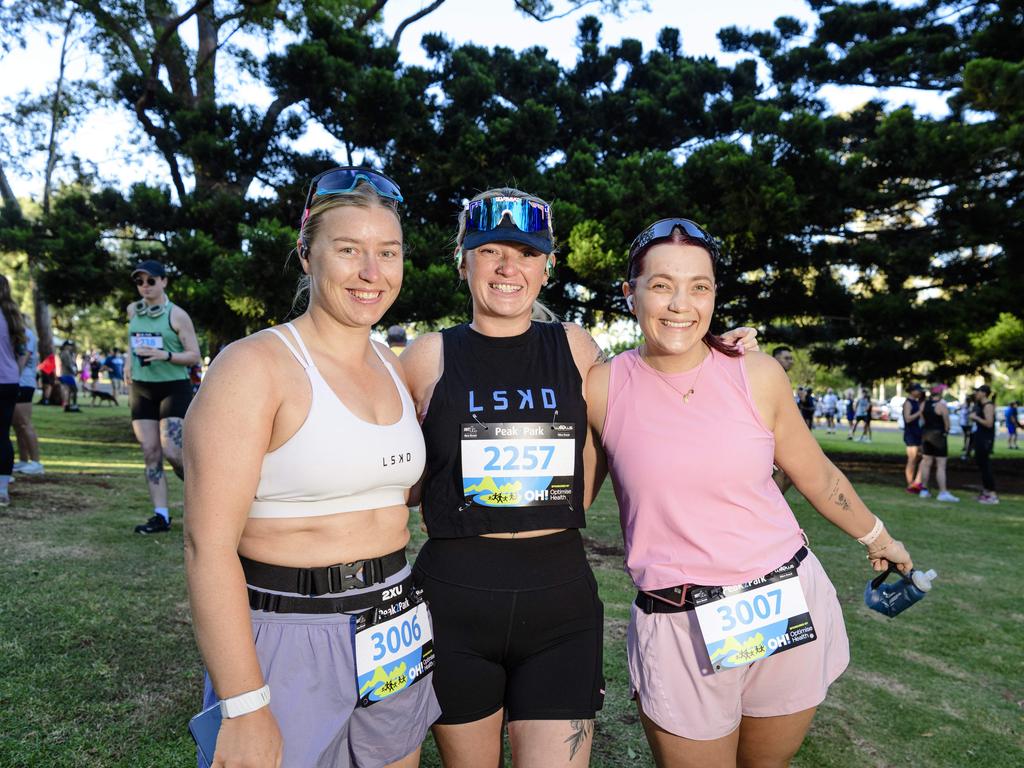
x,y
394,647
518,464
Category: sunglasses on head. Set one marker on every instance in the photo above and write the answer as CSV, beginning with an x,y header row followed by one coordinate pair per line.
x,y
527,215
664,228
140,281
340,180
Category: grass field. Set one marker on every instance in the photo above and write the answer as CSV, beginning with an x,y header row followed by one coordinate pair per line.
x,y
98,666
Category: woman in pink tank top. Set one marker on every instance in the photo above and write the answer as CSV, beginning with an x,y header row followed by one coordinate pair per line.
x,y
736,632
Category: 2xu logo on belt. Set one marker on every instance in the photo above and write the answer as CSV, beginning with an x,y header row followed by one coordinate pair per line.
x,y
748,622
518,464
394,645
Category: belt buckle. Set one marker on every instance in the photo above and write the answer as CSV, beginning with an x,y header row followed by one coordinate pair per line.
x,y
345,576
674,596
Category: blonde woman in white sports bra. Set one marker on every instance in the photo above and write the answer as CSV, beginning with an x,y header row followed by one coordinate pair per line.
x,y
300,451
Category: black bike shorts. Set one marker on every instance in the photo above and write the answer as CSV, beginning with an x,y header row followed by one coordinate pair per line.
x,y
933,443
518,625
157,400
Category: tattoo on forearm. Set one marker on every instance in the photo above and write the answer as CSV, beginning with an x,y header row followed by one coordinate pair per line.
x,y
154,474
840,498
581,730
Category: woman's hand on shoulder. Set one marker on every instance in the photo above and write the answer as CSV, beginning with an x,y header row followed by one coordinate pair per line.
x,y
743,337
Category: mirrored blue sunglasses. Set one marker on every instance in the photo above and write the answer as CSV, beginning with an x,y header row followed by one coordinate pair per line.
x,y
344,179
527,215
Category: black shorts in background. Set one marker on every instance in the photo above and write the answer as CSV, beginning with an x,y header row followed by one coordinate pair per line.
x,y
25,394
933,443
157,400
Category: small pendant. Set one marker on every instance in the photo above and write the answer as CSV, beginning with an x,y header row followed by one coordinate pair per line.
x,y
687,396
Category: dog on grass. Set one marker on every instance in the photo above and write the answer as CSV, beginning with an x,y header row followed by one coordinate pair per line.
x,y
103,397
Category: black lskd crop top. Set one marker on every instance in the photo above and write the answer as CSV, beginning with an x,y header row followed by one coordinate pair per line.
x,y
504,432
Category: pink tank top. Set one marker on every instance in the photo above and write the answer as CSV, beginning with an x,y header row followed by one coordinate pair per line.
x,y
693,480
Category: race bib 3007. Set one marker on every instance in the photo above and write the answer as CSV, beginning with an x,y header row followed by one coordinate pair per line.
x,y
748,622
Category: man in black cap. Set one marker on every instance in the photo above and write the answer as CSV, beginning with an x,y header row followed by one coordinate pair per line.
x,y
163,346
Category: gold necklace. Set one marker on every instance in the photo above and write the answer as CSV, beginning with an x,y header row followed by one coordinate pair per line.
x,y
689,393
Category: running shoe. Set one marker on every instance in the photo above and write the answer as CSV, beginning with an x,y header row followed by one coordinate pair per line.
x,y
5,499
914,488
924,494
155,524
20,465
988,499
29,467
947,496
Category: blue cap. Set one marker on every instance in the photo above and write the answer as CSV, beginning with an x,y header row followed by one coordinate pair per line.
x,y
150,267
507,232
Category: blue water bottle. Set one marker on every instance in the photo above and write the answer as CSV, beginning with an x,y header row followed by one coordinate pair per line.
x,y
893,599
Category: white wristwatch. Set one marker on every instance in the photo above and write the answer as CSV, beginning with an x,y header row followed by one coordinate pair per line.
x,y
244,703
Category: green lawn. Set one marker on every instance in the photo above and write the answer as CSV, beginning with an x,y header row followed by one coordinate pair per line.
x,y
98,666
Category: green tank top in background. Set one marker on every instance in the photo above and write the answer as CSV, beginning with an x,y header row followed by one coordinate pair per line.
x,y
156,332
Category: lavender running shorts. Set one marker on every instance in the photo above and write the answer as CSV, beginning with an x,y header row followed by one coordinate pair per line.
x,y
308,660
670,672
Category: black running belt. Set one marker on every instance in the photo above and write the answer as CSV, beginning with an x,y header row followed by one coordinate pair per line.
x,y
323,581
647,603
265,601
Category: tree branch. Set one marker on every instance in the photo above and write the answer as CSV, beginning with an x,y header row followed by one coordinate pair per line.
x,y
8,196
520,4
415,17
369,14
51,150
262,138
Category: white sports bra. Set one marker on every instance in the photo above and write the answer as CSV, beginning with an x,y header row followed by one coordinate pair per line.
x,y
337,462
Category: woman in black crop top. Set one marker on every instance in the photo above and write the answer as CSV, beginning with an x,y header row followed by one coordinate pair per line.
x,y
517,618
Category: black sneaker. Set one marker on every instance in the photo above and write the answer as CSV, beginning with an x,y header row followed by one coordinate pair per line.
x,y
155,524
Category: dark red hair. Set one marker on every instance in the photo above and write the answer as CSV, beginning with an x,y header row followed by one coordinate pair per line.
x,y
678,237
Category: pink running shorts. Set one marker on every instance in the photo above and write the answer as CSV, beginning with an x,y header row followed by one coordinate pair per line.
x,y
670,672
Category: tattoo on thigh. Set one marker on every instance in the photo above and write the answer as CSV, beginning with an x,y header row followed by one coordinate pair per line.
x,y
581,730
172,431
154,474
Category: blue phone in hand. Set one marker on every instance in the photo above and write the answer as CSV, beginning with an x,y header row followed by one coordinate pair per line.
x,y
204,728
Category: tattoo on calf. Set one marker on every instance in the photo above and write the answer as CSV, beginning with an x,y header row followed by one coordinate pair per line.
x,y
581,730
154,474
173,432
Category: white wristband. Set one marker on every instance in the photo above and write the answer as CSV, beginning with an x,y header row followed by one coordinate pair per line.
x,y
244,703
868,539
